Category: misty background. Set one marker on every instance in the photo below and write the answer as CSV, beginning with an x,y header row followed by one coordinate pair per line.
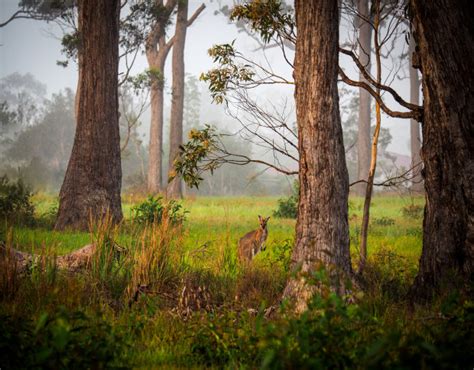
x,y
37,108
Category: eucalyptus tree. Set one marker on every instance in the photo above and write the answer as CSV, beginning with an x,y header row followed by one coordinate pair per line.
x,y
322,229
91,187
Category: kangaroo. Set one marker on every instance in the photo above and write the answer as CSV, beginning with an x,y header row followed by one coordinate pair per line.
x,y
253,242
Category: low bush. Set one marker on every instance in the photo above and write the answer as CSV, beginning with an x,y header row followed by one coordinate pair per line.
x,y
288,207
226,339
280,254
15,202
61,340
154,209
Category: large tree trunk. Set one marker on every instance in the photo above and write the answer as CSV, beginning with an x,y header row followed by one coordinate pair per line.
x,y
177,101
444,35
363,135
415,137
93,178
322,233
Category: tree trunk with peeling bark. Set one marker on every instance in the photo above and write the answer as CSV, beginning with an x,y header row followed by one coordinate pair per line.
x,y
363,135
92,184
322,232
415,137
157,50
156,61
444,34
174,189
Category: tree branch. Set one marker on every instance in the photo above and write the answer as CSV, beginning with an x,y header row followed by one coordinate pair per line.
x,y
415,114
196,14
392,181
369,78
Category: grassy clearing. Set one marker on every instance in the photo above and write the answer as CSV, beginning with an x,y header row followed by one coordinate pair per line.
x,y
217,221
178,298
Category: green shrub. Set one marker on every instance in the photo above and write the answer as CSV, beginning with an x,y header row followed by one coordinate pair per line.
x,y
61,340
389,275
154,209
48,218
227,339
280,253
444,342
288,207
326,336
335,334
15,202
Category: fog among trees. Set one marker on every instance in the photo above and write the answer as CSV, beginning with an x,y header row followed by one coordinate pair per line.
x,y
32,112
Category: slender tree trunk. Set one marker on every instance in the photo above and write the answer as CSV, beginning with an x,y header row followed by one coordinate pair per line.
x,y
444,34
415,137
140,155
177,101
364,233
92,184
155,149
322,233
157,49
363,136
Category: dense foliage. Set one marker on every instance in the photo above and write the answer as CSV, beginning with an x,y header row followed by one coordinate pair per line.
x,y
288,207
154,209
335,334
63,340
15,202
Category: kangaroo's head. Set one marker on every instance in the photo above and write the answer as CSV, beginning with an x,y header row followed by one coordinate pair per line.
x,y
263,222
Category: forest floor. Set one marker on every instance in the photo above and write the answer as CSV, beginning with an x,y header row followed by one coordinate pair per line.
x,y
177,297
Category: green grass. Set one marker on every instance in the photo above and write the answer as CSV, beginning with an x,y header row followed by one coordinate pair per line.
x,y
217,221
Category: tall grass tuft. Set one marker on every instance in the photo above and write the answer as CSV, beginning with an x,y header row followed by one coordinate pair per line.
x,y
9,269
43,271
226,261
104,233
155,261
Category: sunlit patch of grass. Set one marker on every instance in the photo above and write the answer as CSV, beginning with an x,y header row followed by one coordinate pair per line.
x,y
64,242
214,221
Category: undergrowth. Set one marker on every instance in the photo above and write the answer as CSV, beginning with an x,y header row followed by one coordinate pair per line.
x,y
169,294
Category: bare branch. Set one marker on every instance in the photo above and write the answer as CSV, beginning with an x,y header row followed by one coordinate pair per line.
x,y
396,180
415,114
369,78
196,14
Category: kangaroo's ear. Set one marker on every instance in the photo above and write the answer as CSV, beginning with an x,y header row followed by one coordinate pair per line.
x,y
260,218
267,219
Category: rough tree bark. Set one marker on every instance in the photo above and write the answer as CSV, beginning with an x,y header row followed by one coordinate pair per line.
x,y
444,34
322,233
363,135
92,184
174,189
415,137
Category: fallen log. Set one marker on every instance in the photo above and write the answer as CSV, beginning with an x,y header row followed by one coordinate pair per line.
x,y
72,262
